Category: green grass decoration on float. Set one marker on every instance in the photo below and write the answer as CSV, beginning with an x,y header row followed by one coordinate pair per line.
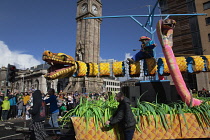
x,y
101,111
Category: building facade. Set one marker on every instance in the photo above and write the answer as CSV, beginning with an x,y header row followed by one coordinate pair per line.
x,y
191,34
28,80
111,85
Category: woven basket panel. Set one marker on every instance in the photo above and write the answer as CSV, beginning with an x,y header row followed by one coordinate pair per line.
x,y
93,69
82,68
176,130
104,69
198,63
90,133
134,69
117,68
182,63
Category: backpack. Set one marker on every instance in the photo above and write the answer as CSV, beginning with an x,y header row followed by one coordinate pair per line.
x,y
42,110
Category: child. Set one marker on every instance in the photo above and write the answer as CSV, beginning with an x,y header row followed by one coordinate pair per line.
x,y
20,107
28,105
5,108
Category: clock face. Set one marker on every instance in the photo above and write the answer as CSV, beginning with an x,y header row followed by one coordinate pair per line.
x,y
94,9
84,8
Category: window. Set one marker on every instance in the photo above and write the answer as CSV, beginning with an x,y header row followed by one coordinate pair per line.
x,y
206,5
207,20
209,37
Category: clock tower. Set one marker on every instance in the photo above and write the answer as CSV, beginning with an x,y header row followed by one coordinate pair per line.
x,y
87,44
88,30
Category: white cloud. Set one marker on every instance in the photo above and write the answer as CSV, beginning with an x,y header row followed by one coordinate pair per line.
x,y
20,60
100,59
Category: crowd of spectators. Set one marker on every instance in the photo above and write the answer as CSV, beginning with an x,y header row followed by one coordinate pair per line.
x,y
200,93
13,106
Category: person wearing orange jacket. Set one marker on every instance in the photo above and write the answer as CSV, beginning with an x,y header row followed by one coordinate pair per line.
x,y
26,98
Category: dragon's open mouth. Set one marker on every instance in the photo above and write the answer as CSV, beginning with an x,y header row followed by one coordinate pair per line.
x,y
167,25
165,30
62,65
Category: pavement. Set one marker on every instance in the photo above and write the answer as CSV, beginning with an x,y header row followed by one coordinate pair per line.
x,y
17,129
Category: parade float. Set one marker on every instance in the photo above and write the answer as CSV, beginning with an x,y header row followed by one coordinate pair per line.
x,y
189,118
186,119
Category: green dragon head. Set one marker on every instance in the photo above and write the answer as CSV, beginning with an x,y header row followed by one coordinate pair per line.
x,y
62,65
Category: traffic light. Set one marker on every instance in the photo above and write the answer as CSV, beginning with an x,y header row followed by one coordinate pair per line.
x,y
11,73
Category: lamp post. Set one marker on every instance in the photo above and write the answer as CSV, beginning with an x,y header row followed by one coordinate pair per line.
x,y
23,85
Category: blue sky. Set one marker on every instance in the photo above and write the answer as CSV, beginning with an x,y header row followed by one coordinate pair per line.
x,y
28,27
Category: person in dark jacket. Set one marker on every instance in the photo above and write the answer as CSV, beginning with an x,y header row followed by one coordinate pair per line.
x,y
123,117
54,110
37,124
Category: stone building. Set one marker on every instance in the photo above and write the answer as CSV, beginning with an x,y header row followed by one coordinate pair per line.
x,y
28,80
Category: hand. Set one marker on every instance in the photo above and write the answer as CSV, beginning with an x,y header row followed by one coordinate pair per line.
x,y
107,122
28,108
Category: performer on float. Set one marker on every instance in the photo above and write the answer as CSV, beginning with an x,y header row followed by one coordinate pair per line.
x,y
146,51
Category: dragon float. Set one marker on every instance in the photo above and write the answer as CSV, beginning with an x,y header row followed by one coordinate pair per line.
x,y
63,65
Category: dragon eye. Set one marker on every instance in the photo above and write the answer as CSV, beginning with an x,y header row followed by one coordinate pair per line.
x,y
64,57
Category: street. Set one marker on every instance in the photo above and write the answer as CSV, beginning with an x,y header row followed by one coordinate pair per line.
x,y
8,129
17,129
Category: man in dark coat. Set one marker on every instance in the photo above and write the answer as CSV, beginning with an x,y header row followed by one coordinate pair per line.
x,y
54,109
124,116
37,124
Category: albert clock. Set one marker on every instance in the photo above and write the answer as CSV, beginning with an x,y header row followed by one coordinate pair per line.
x,y
88,30
87,44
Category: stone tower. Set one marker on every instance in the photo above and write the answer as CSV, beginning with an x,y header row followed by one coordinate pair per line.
x,y
88,30
87,44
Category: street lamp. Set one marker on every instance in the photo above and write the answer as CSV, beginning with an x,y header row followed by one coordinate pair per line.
x,y
23,86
